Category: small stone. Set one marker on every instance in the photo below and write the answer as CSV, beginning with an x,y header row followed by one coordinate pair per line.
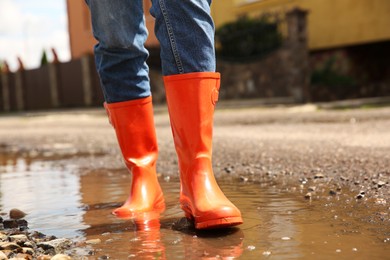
x,y
10,223
29,244
16,214
286,238
354,249
57,244
18,238
228,169
22,223
3,256
28,250
360,196
266,253
61,257
3,237
167,178
381,184
319,176
332,192
251,248
303,180
183,224
312,188
338,250
93,241
308,195
343,178
243,179
9,246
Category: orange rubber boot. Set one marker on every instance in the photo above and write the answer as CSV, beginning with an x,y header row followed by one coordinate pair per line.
x,y
191,99
134,126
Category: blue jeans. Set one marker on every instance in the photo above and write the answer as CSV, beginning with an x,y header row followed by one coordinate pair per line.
x,y
184,29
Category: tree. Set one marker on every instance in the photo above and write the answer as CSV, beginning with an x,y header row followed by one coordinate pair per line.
x,y
44,60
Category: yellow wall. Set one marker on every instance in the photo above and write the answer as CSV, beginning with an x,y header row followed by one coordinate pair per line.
x,y
332,23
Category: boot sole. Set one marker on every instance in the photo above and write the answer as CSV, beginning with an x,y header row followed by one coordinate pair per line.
x,y
219,223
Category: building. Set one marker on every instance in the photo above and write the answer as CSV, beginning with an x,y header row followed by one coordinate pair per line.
x,y
353,36
80,29
331,23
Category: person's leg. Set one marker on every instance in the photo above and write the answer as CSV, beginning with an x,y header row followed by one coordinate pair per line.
x,y
186,34
185,31
120,55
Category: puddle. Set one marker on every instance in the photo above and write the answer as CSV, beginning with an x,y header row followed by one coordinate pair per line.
x,y
62,201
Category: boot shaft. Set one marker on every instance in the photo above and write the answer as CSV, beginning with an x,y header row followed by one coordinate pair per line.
x,y
191,100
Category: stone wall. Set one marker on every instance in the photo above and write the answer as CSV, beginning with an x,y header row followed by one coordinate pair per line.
x,y
283,73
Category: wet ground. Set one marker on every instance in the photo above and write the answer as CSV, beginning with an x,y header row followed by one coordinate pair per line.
x,y
310,184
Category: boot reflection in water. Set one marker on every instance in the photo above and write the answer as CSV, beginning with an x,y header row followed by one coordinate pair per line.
x,y
148,232
185,31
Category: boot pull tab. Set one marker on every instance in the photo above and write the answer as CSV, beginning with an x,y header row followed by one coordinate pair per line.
x,y
215,93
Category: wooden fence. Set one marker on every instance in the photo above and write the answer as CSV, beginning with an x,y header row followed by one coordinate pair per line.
x,y
54,85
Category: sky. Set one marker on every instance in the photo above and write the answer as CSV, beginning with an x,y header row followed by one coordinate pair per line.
x,y
27,27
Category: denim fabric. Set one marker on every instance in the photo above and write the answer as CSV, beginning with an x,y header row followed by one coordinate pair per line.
x,y
184,29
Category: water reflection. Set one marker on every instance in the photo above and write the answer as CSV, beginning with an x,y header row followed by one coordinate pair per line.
x,y
64,202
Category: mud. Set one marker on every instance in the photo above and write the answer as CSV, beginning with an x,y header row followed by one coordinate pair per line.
x,y
309,183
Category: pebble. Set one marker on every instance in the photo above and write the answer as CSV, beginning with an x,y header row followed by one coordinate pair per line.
x,y
381,184
228,169
10,223
360,196
312,188
3,237
286,238
332,192
303,180
57,244
16,214
93,241
319,176
28,250
3,256
9,246
18,238
243,179
266,253
308,195
251,248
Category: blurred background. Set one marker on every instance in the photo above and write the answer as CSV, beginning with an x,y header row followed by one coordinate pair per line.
x,y
272,51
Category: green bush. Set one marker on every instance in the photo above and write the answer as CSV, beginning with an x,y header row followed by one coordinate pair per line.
x,y
248,38
328,76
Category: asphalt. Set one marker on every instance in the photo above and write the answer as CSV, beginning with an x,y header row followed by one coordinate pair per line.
x,y
340,148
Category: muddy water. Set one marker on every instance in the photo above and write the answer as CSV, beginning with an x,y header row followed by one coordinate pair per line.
x,y
64,201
